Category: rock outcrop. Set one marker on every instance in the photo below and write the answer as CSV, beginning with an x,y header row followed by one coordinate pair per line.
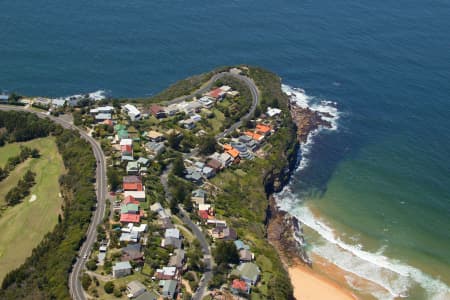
x,y
307,120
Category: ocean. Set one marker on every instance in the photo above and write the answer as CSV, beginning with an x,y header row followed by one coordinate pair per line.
x,y
373,192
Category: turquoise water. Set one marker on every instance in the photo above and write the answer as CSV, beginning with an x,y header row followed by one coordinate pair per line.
x,y
381,180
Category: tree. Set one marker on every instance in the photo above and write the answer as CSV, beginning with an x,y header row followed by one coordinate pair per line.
x,y
86,281
113,178
91,265
226,253
178,166
174,140
109,287
207,145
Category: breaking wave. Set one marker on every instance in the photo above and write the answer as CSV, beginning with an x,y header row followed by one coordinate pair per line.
x,y
395,277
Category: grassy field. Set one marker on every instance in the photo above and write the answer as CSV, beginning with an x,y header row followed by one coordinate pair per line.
x,y
9,150
24,225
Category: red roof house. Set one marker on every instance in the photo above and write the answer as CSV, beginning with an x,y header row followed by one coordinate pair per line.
x,y
240,286
130,200
130,218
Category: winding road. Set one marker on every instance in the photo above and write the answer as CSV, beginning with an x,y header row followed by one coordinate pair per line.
x,y
76,290
207,86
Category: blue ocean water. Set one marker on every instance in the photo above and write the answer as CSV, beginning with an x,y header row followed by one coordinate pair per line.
x,y
382,180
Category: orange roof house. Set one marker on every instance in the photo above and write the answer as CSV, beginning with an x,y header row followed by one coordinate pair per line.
x,y
227,147
130,218
263,129
233,152
255,136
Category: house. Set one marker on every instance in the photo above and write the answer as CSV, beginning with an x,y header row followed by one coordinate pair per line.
x,y
240,245
245,255
121,269
198,196
151,295
195,177
100,118
234,153
214,164
206,101
157,111
172,237
129,237
135,289
129,208
132,112
42,101
132,183
240,287
138,195
154,136
126,148
224,233
224,158
255,136
132,252
216,222
190,108
188,124
263,129
132,168
142,161
166,273
172,109
272,112
208,172
175,233
217,94
249,272
155,148
102,110
177,260
169,288
130,218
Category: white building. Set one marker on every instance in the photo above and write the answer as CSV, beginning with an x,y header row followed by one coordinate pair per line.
x,y
132,112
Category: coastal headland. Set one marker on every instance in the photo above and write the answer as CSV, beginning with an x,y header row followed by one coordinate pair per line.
x,y
239,113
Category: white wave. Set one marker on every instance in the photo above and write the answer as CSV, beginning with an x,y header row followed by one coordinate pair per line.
x,y
98,95
326,107
394,276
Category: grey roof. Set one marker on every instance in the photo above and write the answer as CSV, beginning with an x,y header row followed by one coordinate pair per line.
x,y
249,271
103,116
199,193
135,286
172,232
149,295
123,265
168,286
4,97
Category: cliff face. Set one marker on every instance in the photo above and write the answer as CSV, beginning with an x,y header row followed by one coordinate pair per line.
x,y
284,231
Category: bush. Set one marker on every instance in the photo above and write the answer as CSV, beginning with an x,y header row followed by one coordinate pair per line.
x,y
109,287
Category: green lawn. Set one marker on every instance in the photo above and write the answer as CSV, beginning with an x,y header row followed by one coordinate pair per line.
x,y
7,151
24,225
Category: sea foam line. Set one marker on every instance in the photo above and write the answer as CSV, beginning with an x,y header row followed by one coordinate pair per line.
x,y
392,275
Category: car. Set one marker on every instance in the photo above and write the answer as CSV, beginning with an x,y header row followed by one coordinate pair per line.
x,y
85,256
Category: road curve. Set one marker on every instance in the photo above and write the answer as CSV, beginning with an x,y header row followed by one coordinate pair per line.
x,y
207,86
76,290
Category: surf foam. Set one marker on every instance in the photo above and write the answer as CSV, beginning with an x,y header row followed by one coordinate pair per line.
x,y
394,276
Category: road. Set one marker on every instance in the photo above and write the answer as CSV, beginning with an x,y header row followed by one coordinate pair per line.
x,y
76,290
198,233
207,86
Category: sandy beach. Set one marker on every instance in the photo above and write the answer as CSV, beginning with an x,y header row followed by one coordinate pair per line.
x,y
310,286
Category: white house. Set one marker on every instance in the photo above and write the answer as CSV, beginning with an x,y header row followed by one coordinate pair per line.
x,y
132,112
